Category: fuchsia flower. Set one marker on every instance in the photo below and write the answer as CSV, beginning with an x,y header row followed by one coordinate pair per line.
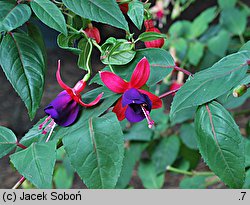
x,y
64,108
158,43
135,103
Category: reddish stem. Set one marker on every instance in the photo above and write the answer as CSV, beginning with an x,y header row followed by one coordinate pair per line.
x,y
21,145
168,93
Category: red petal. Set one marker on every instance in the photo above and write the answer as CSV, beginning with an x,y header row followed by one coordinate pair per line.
x,y
59,79
113,82
156,101
92,103
119,110
141,74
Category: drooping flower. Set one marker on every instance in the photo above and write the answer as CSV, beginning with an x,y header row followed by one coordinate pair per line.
x,y
64,109
93,32
135,103
158,43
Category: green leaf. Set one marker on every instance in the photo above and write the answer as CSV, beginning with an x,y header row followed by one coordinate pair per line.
x,y
68,42
180,29
227,4
181,47
100,11
139,132
165,153
158,58
191,155
211,83
196,182
219,43
200,24
150,36
247,152
24,67
246,46
220,143
131,156
85,46
148,175
62,179
188,135
49,14
36,34
136,13
7,141
195,52
96,150
231,102
13,16
247,181
235,23
36,163
117,52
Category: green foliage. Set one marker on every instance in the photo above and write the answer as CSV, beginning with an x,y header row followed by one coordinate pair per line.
x,y
220,143
95,152
100,11
211,83
148,175
117,52
7,141
13,16
36,163
235,23
135,13
49,14
188,135
165,153
131,156
24,67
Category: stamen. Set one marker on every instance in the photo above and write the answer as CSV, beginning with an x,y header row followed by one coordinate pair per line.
x,y
51,131
45,122
146,113
48,127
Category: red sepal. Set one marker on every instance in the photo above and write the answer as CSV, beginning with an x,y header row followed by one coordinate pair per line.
x,y
113,82
141,74
119,110
59,79
92,103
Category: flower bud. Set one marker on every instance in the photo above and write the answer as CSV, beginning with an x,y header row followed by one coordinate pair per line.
x,y
158,43
124,8
93,32
175,85
239,91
